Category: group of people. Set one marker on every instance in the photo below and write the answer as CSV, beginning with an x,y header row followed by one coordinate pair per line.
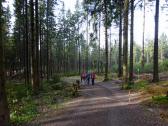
x,y
86,77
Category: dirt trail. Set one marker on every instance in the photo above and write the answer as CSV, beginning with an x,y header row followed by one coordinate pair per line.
x,y
102,105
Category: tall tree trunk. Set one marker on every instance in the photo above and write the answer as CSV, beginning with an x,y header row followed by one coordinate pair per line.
x,y
143,36
40,58
37,45
4,111
33,46
79,53
131,42
155,56
99,44
120,70
87,48
106,43
47,38
27,44
147,57
110,50
125,42
24,42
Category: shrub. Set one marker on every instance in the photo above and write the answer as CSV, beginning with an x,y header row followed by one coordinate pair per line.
x,y
138,85
56,78
163,66
157,90
57,86
148,68
160,100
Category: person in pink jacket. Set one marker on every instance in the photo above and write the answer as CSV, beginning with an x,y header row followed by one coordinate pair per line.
x,y
93,77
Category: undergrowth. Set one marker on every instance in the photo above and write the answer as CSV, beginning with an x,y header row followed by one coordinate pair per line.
x,y
24,106
158,90
160,100
137,85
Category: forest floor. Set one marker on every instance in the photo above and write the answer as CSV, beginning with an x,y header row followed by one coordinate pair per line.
x,y
103,104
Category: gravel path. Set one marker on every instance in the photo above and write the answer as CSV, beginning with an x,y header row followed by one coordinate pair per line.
x,y
103,105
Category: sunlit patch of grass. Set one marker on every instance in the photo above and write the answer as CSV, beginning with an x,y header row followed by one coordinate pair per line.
x,y
157,90
141,85
99,78
160,100
164,83
154,89
137,85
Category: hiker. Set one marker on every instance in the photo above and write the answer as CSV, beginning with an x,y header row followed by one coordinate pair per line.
x,y
83,77
88,78
93,76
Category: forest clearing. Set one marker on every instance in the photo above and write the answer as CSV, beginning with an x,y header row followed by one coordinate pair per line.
x,y
83,63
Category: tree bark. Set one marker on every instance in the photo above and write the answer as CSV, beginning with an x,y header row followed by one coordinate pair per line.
x,y
125,42
33,46
155,57
47,41
120,70
37,45
27,44
143,36
87,48
110,51
131,42
106,43
79,53
99,44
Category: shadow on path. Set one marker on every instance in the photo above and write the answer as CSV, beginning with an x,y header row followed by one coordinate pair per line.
x,y
102,105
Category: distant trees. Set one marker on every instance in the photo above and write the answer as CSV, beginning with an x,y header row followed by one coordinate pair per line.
x,y
106,8
37,41
4,111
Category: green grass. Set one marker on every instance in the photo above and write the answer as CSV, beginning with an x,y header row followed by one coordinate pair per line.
x,y
137,85
24,106
24,112
160,100
21,103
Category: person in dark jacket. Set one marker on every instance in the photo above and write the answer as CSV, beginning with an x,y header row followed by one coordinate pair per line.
x,y
88,78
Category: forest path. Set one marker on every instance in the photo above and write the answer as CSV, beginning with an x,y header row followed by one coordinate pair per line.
x,y
104,104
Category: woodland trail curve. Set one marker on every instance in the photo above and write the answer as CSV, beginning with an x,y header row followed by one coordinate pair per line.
x,y
104,104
